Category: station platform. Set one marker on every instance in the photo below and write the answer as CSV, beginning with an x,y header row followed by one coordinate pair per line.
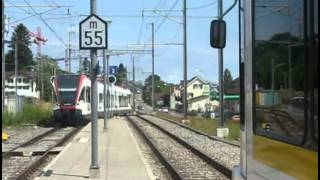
x,y
119,156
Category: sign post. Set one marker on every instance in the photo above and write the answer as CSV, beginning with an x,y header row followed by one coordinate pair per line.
x,y
93,36
113,70
93,33
112,80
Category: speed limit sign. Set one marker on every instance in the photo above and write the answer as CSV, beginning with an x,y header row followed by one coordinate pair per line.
x,y
93,33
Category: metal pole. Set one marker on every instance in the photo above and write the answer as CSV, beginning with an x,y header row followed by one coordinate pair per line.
x,y
104,91
133,84
220,57
112,101
41,76
69,53
3,59
153,108
108,87
80,64
16,71
94,102
185,76
66,62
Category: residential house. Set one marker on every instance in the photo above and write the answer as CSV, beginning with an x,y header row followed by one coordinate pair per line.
x,y
175,97
198,95
26,84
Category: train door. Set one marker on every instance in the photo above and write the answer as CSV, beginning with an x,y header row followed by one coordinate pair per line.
x,y
280,105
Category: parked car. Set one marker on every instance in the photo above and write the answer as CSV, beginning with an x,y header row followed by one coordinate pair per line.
x,y
165,109
139,107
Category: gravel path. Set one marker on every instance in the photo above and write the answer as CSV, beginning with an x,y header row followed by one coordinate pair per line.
x,y
18,136
12,166
188,165
226,154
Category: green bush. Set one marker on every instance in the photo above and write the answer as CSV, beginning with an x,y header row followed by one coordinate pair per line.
x,y
31,114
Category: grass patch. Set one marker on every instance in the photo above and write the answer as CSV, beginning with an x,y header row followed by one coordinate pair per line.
x,y
31,114
207,125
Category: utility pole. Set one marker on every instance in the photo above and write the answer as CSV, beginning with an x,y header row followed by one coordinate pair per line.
x,y
220,57
185,102
80,64
153,108
16,71
94,101
104,91
108,88
134,87
66,61
69,52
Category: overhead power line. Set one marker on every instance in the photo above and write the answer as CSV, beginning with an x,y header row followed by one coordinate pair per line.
x,y
164,19
22,19
41,18
202,6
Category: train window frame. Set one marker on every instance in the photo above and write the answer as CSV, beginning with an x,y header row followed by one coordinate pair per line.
x,y
82,95
306,94
88,94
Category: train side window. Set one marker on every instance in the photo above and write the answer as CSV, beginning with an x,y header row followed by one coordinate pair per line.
x,y
279,70
88,94
82,95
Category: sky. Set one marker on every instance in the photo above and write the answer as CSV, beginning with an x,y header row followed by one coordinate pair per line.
x,y
131,25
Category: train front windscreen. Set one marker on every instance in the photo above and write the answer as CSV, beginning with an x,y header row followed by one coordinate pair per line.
x,y
68,85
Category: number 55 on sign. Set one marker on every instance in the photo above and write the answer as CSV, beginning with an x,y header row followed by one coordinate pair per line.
x,y
93,33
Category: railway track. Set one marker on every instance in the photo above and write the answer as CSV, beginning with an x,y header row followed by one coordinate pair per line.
x,y
223,152
22,167
182,160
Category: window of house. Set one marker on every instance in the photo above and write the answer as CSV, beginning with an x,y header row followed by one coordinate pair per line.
x,y
25,80
194,86
19,80
10,80
25,87
100,98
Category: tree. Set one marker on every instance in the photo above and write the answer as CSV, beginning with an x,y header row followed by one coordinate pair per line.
x,y
227,78
25,57
49,69
159,87
121,75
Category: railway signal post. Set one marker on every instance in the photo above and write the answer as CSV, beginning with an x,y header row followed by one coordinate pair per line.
x,y
93,36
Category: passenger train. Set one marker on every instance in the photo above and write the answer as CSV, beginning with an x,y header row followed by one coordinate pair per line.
x,y
73,99
278,60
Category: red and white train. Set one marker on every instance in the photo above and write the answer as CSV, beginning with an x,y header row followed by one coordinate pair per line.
x,y
73,99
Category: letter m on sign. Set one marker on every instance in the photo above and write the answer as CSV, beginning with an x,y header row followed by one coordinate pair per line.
x,y
93,25
93,33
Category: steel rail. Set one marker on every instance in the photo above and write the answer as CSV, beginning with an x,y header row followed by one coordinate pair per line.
x,y
35,165
195,130
31,141
221,168
171,169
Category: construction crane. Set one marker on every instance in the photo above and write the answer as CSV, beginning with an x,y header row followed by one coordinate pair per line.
x,y
39,40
